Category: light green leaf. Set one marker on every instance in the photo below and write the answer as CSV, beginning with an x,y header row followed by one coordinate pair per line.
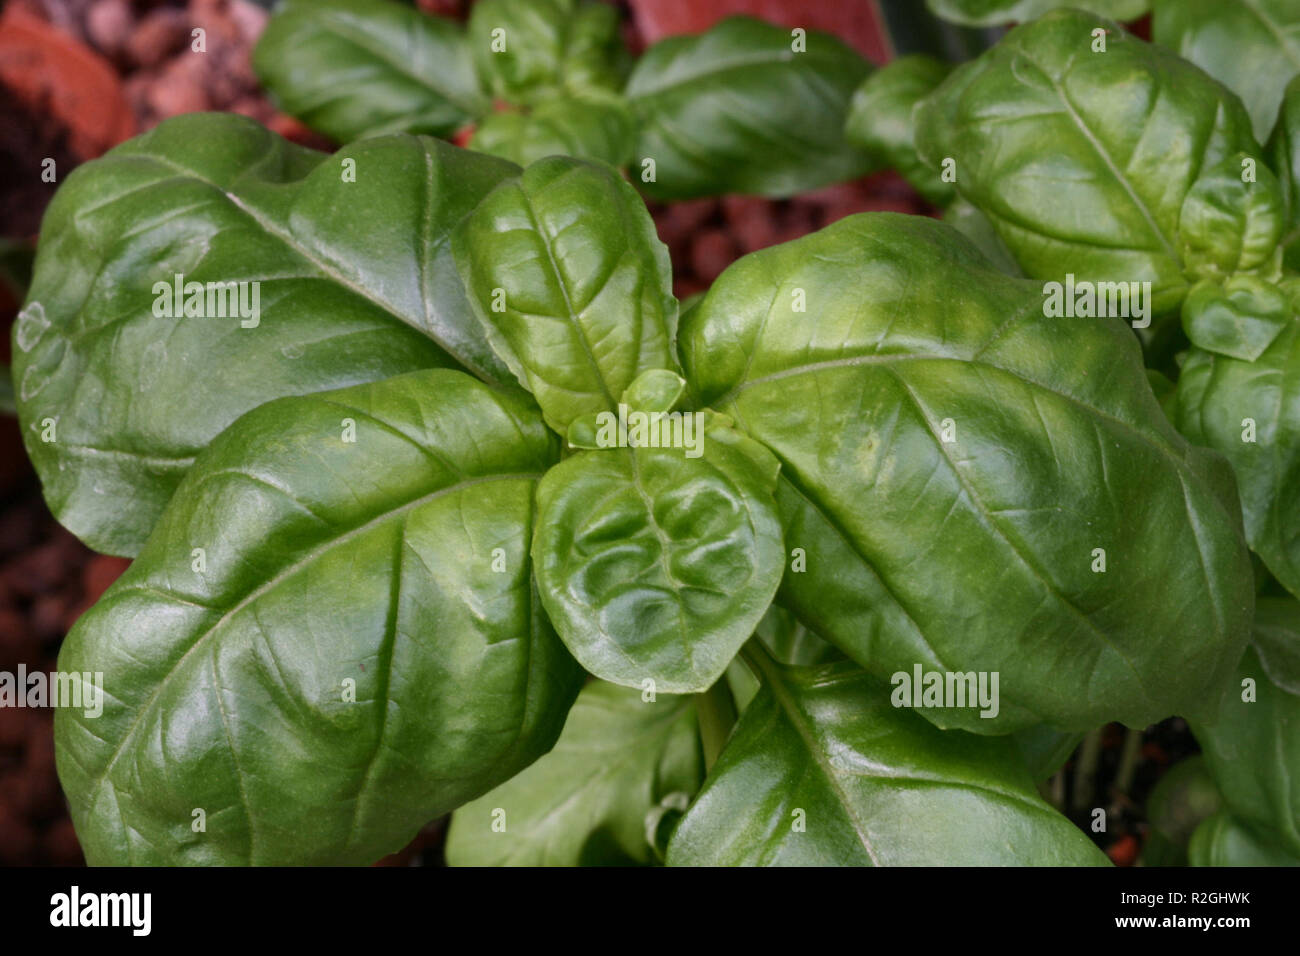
x,y
585,803
1223,840
354,282
991,13
571,283
355,68
655,564
823,771
952,465
1239,318
1228,225
320,654
587,127
737,110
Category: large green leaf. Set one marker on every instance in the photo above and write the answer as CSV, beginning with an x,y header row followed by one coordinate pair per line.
x,y
1250,46
655,564
952,464
881,120
354,68
586,802
822,771
1284,156
528,50
736,110
1082,160
1250,413
356,283
1223,840
1252,744
227,674
987,13
573,286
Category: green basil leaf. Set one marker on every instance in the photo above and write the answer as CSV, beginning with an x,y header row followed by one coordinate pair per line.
x,y
354,279
790,641
881,121
1284,158
590,126
738,109
1239,318
655,390
1250,413
1045,750
1251,745
354,68
933,448
354,651
975,226
1223,840
1182,799
1080,159
991,13
1251,46
656,563
571,283
1229,225
822,771
528,50
585,803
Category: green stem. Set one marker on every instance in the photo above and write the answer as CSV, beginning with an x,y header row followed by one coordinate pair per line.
x,y
1128,761
1085,772
717,715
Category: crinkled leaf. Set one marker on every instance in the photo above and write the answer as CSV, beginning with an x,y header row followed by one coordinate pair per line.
x,y
1223,840
950,466
585,803
1250,46
528,50
823,771
572,285
657,566
356,650
1230,225
880,119
1239,318
586,127
356,284
1250,413
991,13
1252,744
736,110
354,68
1082,160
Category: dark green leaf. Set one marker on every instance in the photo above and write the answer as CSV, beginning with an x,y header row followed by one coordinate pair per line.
x,y
1045,750
586,802
880,120
1183,798
356,283
572,285
356,650
354,68
737,110
1223,840
950,466
987,13
656,563
1252,744
823,771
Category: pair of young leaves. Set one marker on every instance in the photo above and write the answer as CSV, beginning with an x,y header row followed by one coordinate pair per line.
x,y
393,578
735,108
1132,164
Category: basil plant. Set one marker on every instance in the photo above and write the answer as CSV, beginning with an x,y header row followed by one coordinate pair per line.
x,y
1084,158
744,107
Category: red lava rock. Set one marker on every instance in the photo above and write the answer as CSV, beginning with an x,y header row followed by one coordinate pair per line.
x,y
17,841
454,9
101,571
37,571
295,132
14,724
711,252
751,220
61,846
13,636
108,25
683,289
47,616
682,220
1124,851
159,34
181,87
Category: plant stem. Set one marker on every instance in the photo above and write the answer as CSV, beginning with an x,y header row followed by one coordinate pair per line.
x,y
716,710
1085,771
1128,761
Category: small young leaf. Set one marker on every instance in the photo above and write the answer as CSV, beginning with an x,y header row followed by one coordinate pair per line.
x,y
1223,840
590,126
1239,318
1227,225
